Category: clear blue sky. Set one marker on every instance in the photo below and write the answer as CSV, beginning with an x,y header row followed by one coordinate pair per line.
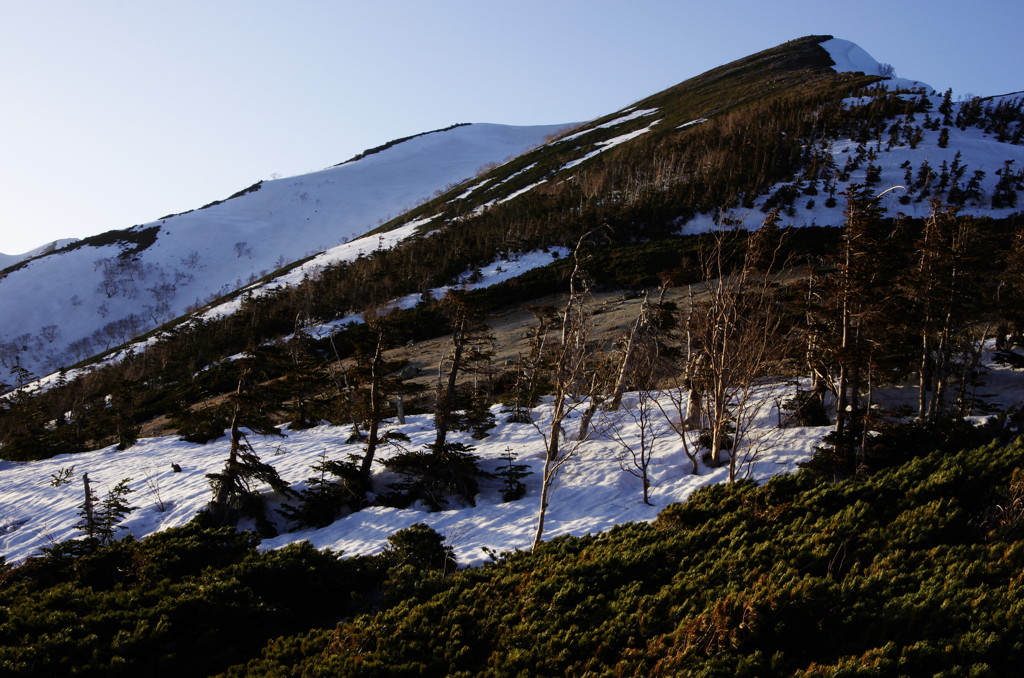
x,y
116,113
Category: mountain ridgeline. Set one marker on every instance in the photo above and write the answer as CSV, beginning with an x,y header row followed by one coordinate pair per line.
x,y
780,132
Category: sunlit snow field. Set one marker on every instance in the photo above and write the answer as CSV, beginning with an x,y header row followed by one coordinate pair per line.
x,y
592,494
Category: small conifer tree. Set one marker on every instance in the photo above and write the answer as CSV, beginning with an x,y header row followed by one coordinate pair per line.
x,y
101,519
511,475
338,485
234,488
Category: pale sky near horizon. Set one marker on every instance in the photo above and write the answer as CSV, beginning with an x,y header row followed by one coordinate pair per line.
x,y
117,113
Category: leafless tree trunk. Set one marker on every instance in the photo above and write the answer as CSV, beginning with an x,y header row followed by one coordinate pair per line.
x,y
446,387
684,416
635,431
470,350
735,330
344,388
88,508
376,404
573,386
626,361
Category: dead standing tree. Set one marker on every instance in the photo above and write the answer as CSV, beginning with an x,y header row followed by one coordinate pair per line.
x,y
683,408
734,332
470,350
573,381
946,294
635,430
637,338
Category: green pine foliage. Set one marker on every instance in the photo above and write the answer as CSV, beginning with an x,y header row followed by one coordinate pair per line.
x,y
416,562
914,571
434,476
202,424
511,476
189,601
419,547
113,509
99,520
237,488
337,487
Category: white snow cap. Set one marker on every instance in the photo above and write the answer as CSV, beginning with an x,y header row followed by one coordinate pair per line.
x,y
850,57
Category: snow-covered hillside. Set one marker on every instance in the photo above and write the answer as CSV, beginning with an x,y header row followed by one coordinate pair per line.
x,y
68,305
593,492
970,151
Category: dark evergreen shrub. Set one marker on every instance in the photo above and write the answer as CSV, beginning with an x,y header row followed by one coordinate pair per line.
x,y
434,476
339,486
805,409
418,546
202,424
511,475
186,601
907,572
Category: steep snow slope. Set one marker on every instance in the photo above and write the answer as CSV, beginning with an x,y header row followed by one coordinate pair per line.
x,y
850,57
70,304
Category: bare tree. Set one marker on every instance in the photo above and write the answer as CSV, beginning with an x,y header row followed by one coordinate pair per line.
x,y
367,384
683,409
636,431
638,335
572,377
734,331
525,388
946,297
470,347
683,414
376,383
375,410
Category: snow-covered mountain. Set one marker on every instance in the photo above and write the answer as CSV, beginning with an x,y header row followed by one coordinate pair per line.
x,y
102,291
88,296
329,424
61,306
91,295
970,149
